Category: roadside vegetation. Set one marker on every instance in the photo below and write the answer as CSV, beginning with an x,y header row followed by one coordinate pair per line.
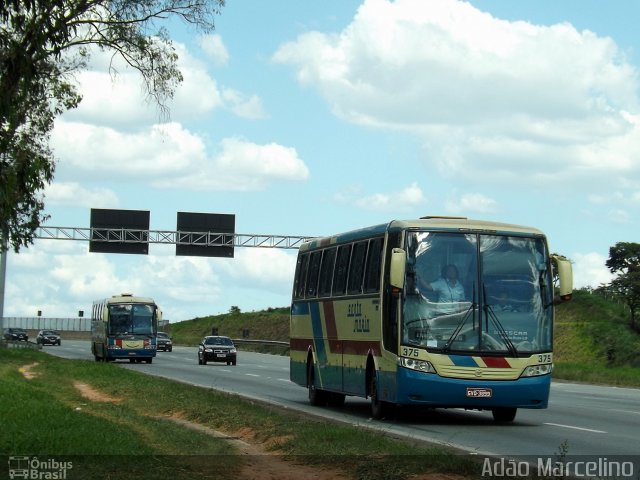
x,y
116,423
594,342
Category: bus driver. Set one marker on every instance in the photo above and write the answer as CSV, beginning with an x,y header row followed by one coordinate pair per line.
x,y
448,289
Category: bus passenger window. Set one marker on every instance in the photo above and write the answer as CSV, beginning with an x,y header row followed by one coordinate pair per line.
x,y
341,270
301,275
356,269
326,272
374,260
314,271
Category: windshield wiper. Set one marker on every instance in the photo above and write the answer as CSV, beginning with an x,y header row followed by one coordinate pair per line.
x,y
494,318
456,332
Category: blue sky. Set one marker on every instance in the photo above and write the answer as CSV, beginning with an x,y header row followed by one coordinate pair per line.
x,y
312,118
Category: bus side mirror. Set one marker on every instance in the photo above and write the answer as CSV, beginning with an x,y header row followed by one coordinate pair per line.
x,y
564,270
397,269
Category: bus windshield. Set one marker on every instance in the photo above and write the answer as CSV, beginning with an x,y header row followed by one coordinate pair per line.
x,y
131,319
477,293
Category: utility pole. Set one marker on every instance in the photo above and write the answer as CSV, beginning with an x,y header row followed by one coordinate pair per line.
x,y
3,274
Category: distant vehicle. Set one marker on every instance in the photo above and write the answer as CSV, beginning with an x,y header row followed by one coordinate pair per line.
x,y
216,348
124,327
48,337
163,341
16,334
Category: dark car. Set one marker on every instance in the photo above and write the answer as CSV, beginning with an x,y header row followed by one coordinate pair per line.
x,y
163,342
216,348
16,334
48,337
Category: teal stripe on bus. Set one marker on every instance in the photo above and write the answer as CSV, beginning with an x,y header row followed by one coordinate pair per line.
x,y
318,336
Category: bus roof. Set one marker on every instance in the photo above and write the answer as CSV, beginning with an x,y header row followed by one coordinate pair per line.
x,y
128,298
451,224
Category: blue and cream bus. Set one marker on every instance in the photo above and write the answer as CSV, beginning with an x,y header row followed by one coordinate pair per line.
x,y
124,327
434,312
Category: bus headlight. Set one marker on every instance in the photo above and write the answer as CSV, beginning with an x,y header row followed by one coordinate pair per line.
x,y
419,365
537,370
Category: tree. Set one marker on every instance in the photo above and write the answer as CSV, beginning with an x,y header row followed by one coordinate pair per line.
x,y
42,44
624,259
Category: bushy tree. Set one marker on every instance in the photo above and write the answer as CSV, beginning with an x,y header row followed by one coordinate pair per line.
x,y
624,260
42,44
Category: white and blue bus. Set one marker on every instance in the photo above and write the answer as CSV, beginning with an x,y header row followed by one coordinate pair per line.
x,y
124,327
434,312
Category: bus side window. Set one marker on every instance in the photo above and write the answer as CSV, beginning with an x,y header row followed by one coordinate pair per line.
x,y
374,260
356,269
314,271
301,275
341,270
326,272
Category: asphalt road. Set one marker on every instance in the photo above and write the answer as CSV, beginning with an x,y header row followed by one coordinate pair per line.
x,y
597,421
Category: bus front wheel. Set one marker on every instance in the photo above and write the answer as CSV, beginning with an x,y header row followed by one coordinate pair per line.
x,y
379,408
504,414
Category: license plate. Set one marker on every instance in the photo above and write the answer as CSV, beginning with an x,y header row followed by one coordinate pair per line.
x,y
221,355
477,392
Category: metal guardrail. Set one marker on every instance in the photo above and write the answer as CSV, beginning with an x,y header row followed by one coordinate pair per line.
x,y
20,344
240,341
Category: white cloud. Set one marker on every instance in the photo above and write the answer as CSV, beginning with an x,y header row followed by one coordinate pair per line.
x,y
117,97
242,166
471,202
589,270
72,194
564,101
214,47
107,153
243,106
407,199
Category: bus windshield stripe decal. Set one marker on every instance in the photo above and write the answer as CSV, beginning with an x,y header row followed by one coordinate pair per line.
x,y
463,361
496,362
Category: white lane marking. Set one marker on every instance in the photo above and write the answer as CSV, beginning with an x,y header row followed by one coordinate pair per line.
x,y
251,375
575,428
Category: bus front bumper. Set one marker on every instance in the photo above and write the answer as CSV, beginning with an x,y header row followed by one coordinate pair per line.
x,y
432,390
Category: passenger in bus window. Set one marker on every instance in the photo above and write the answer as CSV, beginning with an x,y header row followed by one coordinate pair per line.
x,y
504,304
448,288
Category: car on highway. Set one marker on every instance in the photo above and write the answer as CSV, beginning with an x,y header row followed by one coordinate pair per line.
x,y
48,337
217,348
19,334
163,342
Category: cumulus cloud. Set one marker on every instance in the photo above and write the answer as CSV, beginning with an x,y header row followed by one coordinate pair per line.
x,y
108,153
564,101
244,106
407,199
241,165
72,194
589,270
471,202
214,47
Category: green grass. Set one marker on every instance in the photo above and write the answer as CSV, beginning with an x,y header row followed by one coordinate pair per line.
x,y
48,416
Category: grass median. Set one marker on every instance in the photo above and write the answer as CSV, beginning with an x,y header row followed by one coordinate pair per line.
x,y
118,423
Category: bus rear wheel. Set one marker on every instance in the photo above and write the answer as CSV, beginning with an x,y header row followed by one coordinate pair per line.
x,y
504,414
317,397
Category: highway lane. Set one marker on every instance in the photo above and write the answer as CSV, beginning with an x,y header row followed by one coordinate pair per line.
x,y
581,419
